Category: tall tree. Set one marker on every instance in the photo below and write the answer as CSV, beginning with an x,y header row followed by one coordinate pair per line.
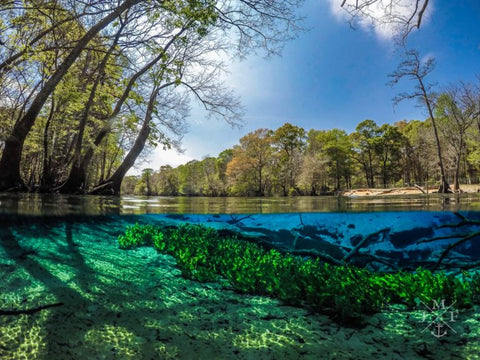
x,y
76,180
250,161
12,153
387,148
413,68
290,142
333,149
364,139
457,111
167,181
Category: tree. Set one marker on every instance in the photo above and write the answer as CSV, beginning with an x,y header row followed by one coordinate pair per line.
x,y
338,148
212,184
166,181
413,68
313,178
10,161
387,148
290,142
221,164
472,140
76,180
332,150
147,179
457,110
248,168
189,175
403,16
168,106
128,184
240,25
364,140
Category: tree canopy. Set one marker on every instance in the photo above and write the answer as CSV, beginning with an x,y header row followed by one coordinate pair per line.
x,y
86,86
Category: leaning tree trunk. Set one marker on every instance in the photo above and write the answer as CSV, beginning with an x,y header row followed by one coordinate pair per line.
x,y
112,185
77,177
10,178
78,173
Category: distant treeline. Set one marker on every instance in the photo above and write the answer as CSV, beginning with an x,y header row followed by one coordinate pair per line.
x,y
292,161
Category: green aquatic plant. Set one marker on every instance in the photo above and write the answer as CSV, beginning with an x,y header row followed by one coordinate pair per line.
x,y
346,291
137,235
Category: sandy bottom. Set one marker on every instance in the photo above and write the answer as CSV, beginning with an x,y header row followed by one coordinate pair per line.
x,y
135,305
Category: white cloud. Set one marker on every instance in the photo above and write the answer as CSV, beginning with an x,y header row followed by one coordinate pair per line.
x,y
386,18
427,56
168,157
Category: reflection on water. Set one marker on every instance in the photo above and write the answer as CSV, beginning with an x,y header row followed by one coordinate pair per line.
x,y
55,204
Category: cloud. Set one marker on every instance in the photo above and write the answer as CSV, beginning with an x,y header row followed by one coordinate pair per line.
x,y
425,58
386,18
169,157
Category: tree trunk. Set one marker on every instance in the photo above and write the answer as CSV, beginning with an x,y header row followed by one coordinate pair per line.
x,y
260,185
456,181
112,185
444,186
47,179
370,168
76,181
337,174
78,173
10,178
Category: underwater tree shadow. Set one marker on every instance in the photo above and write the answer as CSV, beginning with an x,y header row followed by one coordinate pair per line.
x,y
25,257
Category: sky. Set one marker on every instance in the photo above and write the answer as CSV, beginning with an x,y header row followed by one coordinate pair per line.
x,y
333,76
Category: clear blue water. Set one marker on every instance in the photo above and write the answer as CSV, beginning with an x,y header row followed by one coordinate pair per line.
x,y
106,303
405,231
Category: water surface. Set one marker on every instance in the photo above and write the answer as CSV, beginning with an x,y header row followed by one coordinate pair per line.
x,y
56,204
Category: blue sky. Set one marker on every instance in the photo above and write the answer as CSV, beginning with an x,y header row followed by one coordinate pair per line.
x,y
335,77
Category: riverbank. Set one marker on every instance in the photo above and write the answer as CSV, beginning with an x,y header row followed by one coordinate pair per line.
x,y
469,189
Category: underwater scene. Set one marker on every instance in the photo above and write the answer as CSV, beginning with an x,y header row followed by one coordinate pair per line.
x,y
252,278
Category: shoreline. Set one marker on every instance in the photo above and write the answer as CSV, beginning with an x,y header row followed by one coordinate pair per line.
x,y
410,190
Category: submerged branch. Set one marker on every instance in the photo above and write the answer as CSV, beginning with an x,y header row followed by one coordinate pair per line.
x,y
454,245
29,311
462,237
364,241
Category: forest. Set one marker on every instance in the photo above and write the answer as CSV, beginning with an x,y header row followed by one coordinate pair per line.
x,y
87,87
293,161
